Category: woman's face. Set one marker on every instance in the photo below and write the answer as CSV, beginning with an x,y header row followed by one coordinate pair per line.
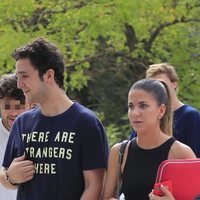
x,y
143,110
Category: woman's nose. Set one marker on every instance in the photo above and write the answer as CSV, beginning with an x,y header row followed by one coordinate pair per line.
x,y
134,112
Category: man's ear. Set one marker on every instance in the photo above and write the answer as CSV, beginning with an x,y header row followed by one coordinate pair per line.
x,y
174,85
49,76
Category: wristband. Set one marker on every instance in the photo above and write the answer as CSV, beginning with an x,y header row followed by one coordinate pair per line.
x,y
10,180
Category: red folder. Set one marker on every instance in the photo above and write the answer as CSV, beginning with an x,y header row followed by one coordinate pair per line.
x,y
184,177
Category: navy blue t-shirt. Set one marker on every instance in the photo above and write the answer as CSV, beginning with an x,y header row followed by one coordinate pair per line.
x,y
186,127
61,147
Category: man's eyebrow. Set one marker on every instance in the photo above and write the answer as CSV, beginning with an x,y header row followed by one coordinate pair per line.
x,y
22,72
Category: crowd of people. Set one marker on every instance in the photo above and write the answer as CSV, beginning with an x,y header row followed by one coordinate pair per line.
x,y
58,149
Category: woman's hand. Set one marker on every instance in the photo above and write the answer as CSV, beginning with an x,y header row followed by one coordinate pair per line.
x,y
167,195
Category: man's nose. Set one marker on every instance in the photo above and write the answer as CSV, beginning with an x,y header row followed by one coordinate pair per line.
x,y
20,83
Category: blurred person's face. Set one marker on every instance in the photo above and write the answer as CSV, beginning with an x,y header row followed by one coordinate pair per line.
x,y
10,109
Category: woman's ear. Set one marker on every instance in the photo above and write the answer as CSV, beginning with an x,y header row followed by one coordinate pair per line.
x,y
162,111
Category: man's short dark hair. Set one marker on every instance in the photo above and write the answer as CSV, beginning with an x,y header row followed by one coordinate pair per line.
x,y
43,55
9,89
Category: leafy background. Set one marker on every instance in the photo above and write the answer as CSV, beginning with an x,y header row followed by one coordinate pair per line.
x,y
107,46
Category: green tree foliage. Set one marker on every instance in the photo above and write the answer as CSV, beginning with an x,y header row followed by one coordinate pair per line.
x,y
108,45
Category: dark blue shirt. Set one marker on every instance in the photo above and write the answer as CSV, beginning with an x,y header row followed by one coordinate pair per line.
x,y
61,147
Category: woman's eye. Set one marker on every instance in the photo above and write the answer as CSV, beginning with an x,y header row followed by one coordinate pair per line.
x,y
143,105
130,106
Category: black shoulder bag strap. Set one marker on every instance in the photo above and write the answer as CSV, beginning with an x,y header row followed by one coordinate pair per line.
x,y
120,160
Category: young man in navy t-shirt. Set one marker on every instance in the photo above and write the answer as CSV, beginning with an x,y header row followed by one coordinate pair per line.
x,y
65,141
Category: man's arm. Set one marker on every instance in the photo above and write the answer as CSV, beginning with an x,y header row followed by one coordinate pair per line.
x,y
93,184
4,181
18,172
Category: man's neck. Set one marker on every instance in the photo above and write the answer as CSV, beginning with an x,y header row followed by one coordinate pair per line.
x,y
56,105
177,104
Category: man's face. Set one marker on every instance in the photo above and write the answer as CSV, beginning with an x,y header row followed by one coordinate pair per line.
x,y
29,81
10,109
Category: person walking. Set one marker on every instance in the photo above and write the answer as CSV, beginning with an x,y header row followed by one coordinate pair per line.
x,y
12,104
65,140
186,121
150,114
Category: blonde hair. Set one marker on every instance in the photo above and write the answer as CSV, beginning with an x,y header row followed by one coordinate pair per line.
x,y
162,68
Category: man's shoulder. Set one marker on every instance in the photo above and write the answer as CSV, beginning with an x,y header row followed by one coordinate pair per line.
x,y
85,116
187,110
29,113
190,108
84,111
